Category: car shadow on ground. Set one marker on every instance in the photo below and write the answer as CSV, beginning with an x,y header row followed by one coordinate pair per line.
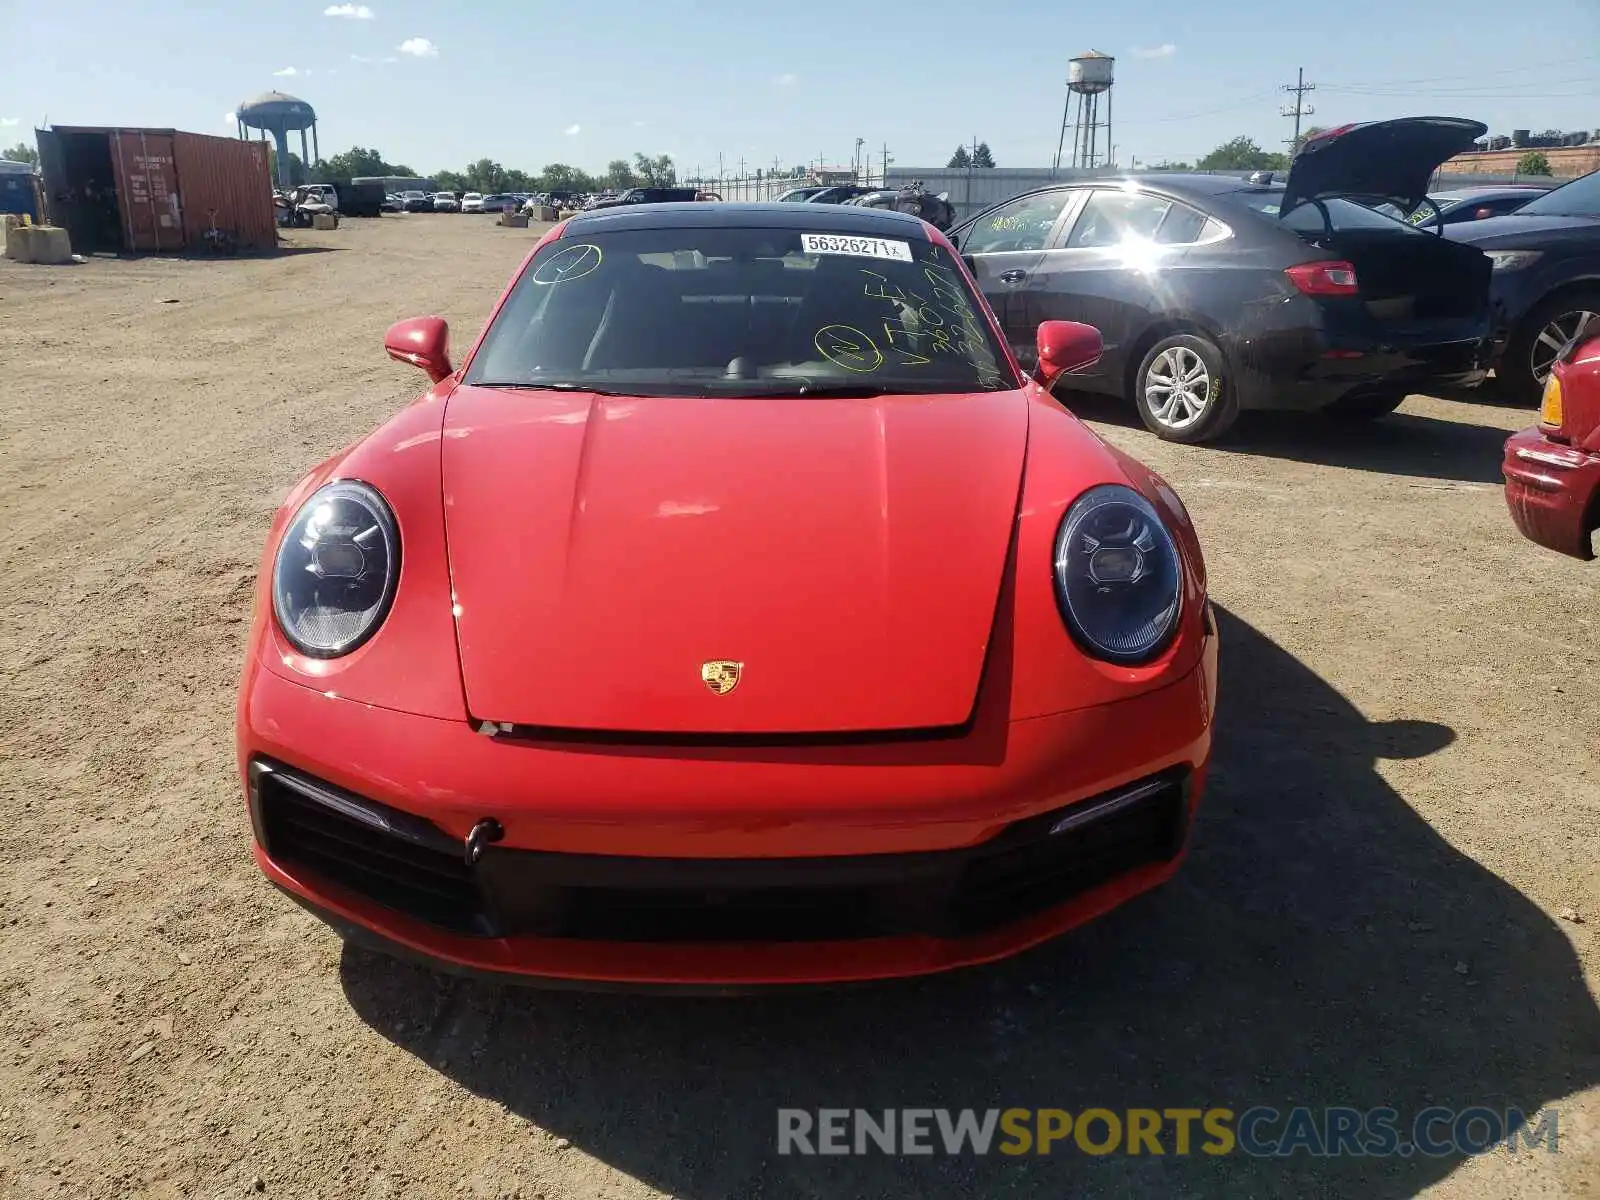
x,y
1322,946
1402,443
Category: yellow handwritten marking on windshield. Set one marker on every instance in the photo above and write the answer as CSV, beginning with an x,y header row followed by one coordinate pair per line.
x,y
573,262
946,325
846,346
908,358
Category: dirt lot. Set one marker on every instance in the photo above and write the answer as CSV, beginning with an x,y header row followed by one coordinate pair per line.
x,y
1406,798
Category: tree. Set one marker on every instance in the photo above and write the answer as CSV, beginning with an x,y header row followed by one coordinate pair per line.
x,y
486,176
21,152
1168,165
981,157
451,181
1242,154
960,160
1533,163
356,162
559,177
1306,135
655,172
619,175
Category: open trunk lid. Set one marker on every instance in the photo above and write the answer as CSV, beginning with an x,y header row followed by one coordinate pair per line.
x,y
728,566
1377,160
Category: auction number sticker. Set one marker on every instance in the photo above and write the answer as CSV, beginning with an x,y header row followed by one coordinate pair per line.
x,y
861,247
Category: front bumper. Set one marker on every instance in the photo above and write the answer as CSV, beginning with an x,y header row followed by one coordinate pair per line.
x,y
1553,492
719,866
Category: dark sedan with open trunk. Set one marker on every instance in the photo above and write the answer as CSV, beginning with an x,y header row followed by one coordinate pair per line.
x,y
1216,294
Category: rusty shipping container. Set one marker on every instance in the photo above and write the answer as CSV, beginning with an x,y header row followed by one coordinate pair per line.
x,y
170,188
225,181
147,189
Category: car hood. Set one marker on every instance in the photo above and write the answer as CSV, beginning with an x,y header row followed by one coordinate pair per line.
x,y
1377,160
847,554
1515,231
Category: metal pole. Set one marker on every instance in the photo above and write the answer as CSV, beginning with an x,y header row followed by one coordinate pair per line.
x,y
1094,130
969,171
1113,161
1299,95
1066,112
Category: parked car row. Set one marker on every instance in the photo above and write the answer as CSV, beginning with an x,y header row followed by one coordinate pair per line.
x,y
456,202
1216,295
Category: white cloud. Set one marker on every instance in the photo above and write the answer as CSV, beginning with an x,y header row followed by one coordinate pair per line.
x,y
351,12
638,124
419,48
391,59
1165,50
574,130
788,79
230,118
286,73
362,58
8,122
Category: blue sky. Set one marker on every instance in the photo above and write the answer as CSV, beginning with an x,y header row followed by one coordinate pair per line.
x,y
530,82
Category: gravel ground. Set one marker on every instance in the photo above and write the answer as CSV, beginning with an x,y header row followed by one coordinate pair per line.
x,y
1404,819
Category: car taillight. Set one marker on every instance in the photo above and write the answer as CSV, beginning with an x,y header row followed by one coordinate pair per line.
x,y
1331,278
1550,414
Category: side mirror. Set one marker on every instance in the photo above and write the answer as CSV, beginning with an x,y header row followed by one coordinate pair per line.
x,y
1065,346
422,342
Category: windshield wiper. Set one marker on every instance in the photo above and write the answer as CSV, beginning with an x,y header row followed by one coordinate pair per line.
x,y
559,385
840,391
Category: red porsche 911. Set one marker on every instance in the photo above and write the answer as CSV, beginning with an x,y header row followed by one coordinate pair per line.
x,y
735,613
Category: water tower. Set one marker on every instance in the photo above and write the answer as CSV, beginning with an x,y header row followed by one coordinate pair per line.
x,y
280,115
1089,77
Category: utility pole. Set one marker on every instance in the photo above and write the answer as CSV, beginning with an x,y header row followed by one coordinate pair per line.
x,y
1299,108
860,142
741,177
886,161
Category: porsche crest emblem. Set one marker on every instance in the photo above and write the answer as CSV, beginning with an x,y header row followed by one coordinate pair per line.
x,y
721,675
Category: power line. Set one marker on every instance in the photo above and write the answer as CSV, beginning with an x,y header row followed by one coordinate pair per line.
x,y
1497,92
1243,102
1522,70
1298,89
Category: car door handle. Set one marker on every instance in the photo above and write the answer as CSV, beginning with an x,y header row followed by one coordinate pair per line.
x,y
1013,276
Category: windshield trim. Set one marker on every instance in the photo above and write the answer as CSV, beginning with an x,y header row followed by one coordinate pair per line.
x,y
1583,185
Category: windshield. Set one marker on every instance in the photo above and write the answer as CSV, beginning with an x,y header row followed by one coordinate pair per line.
x,y
742,311
1308,217
1580,198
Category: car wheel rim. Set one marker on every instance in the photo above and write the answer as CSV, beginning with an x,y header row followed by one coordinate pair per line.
x,y
1553,339
1177,388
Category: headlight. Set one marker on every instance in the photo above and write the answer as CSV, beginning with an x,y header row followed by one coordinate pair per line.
x,y
336,570
1513,260
1118,580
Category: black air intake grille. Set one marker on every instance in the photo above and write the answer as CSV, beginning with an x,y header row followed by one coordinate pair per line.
x,y
409,865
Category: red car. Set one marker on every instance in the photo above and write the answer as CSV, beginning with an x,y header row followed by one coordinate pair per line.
x,y
735,613
1552,470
